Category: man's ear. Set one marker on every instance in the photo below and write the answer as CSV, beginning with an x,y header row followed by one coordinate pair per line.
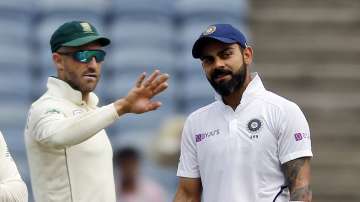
x,y
58,61
248,55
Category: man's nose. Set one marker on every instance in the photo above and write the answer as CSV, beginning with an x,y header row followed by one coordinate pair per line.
x,y
92,62
219,63
92,65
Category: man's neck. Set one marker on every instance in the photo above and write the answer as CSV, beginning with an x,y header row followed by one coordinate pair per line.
x,y
233,100
85,97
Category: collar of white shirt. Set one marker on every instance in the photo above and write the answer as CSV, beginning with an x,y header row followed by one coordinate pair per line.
x,y
60,88
254,88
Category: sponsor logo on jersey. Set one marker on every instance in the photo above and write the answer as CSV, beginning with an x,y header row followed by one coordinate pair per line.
x,y
52,111
201,136
301,136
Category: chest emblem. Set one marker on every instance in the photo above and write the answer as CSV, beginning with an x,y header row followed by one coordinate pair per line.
x,y
254,126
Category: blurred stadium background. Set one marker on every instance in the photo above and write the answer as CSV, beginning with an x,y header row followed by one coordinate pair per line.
x,y
307,51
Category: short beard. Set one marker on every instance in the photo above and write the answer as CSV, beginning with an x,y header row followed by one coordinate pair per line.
x,y
228,87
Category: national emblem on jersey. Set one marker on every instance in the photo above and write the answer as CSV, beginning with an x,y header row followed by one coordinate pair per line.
x,y
254,126
211,29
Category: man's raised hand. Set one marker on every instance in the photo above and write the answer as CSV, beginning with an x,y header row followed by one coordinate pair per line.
x,y
138,100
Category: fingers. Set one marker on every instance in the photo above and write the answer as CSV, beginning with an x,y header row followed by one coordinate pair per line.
x,y
154,105
159,83
140,79
160,88
151,78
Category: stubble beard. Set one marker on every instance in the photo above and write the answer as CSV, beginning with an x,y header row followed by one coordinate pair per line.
x,y
80,84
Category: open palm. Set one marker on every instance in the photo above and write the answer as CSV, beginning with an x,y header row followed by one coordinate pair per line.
x,y
139,97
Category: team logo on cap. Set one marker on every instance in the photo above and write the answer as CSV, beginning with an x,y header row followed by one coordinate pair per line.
x,y
254,125
86,27
211,29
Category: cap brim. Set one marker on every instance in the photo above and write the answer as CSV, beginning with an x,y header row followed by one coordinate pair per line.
x,y
198,45
88,39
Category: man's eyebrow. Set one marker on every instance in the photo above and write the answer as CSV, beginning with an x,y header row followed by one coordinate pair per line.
x,y
220,52
205,56
226,49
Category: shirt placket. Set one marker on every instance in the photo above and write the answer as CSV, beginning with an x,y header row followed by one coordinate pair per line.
x,y
84,106
237,116
231,117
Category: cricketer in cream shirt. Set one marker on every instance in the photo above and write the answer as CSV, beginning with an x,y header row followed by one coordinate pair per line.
x,y
12,187
69,153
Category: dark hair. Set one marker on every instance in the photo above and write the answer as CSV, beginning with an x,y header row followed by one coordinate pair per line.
x,y
126,153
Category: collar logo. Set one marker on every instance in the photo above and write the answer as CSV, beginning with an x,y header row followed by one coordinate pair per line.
x,y
211,29
86,27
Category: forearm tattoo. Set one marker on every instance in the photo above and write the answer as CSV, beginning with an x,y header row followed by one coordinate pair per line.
x,y
297,174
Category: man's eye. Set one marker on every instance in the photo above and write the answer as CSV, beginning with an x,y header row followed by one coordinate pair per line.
x,y
206,60
227,54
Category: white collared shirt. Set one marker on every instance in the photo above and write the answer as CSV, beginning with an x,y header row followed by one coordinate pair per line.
x,y
69,153
238,154
12,187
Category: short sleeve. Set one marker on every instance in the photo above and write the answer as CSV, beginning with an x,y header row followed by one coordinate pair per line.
x,y
294,138
188,165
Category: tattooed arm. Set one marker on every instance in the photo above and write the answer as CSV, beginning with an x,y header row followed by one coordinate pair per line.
x,y
297,174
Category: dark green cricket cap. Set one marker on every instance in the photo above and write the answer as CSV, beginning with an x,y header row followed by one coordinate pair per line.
x,y
76,33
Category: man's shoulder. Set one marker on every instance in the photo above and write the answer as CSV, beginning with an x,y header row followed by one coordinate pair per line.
x,y
204,111
277,101
46,102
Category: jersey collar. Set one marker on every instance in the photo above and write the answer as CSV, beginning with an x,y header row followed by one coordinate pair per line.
x,y
62,89
254,88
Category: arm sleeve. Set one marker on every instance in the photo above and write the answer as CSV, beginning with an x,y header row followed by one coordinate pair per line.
x,y
188,165
51,127
12,187
294,138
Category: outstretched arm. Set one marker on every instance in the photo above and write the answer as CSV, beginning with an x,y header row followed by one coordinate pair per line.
x,y
50,126
297,174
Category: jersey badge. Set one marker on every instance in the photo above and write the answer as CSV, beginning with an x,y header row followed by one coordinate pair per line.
x,y
52,111
254,126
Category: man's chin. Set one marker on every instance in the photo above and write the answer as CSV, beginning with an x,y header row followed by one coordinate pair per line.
x,y
88,89
223,91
